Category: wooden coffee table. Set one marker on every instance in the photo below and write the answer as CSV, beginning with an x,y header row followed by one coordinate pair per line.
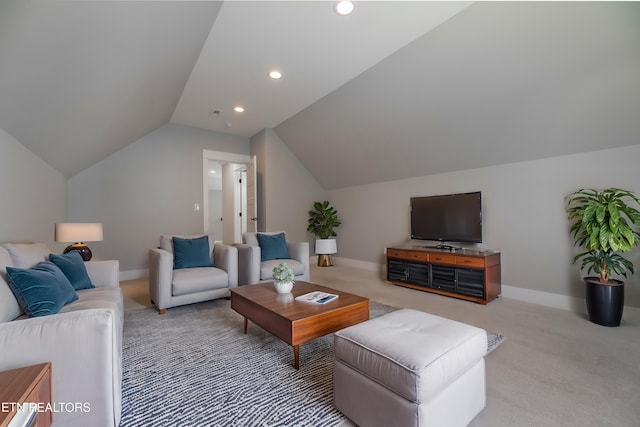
x,y
297,322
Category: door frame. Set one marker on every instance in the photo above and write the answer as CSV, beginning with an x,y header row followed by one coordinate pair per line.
x,y
220,156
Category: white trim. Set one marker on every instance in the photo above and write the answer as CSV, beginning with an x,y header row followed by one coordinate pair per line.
x,y
221,156
133,274
226,157
547,299
356,263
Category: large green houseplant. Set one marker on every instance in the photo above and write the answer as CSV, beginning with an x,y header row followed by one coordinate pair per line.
x,y
322,222
604,223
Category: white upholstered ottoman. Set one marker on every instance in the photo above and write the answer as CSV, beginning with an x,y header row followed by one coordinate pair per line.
x,y
409,368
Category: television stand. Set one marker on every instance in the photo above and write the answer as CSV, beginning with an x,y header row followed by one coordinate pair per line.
x,y
466,274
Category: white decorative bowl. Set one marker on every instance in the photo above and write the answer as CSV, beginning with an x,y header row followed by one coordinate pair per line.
x,y
283,288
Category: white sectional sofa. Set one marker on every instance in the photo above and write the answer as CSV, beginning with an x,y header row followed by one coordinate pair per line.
x,y
83,341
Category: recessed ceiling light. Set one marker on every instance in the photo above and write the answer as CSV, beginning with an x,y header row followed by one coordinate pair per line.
x,y
212,171
238,109
344,7
275,74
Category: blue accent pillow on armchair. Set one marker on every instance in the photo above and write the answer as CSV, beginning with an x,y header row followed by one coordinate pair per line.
x,y
272,246
40,290
191,253
72,265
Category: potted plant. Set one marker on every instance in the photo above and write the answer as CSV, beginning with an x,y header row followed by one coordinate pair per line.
x,y
605,223
283,278
323,220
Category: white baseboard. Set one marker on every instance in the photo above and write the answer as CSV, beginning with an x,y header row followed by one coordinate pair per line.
x,y
133,274
547,299
356,263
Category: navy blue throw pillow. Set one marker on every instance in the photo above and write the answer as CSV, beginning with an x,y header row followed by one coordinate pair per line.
x,y
40,290
191,253
272,246
72,265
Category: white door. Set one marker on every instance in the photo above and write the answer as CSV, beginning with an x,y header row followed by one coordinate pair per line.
x,y
228,204
252,198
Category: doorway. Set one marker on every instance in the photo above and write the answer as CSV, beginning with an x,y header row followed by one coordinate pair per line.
x,y
229,199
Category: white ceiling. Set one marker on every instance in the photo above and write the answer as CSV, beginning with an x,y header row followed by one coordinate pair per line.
x,y
316,50
395,90
82,79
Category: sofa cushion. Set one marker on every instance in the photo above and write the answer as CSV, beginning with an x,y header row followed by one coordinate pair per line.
x,y
9,308
72,265
266,268
272,246
191,280
26,255
191,253
97,298
41,290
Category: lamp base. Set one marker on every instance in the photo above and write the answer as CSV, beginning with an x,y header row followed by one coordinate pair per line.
x,y
84,250
324,260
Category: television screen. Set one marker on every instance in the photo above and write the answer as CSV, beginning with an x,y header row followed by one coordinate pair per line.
x,y
447,218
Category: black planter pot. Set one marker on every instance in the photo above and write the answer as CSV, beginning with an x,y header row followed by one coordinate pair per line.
x,y
604,301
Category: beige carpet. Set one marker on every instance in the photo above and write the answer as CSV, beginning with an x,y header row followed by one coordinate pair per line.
x,y
555,368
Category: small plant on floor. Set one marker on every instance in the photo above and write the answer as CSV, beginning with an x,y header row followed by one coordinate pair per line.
x,y
605,223
282,273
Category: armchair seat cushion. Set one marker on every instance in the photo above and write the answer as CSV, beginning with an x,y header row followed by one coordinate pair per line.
x,y
266,267
198,279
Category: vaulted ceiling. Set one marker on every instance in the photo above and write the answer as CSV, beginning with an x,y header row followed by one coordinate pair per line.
x,y
394,90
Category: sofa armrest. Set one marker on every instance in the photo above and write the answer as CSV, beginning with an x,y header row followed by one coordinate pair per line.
x,y
248,264
160,276
84,350
226,258
104,274
300,252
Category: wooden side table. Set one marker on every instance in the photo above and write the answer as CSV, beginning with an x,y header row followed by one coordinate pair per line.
x,y
23,385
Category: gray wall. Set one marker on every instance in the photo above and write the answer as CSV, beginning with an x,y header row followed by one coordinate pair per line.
x,y
146,189
287,189
523,214
32,193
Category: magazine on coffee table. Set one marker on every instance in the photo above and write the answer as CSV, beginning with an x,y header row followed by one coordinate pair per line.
x,y
317,297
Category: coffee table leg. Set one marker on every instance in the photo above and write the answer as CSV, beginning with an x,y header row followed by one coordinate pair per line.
x,y
245,325
296,356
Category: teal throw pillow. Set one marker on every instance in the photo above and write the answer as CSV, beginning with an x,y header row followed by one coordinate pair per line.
x,y
272,246
72,265
40,290
191,253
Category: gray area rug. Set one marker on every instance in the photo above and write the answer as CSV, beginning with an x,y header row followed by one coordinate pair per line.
x,y
195,367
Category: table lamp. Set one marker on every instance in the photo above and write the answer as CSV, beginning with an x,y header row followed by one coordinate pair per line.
x,y
79,232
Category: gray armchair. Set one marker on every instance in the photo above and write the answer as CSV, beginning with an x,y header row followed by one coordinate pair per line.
x,y
171,287
252,270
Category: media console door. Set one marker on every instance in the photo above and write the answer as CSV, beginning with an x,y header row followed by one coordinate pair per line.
x,y
469,275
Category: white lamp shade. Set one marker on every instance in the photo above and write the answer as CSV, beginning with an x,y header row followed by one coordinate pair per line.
x,y
326,246
78,232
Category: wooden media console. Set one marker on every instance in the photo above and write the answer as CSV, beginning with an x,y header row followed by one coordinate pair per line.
x,y
465,274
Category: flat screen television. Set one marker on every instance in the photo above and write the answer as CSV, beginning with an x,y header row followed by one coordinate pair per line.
x,y
447,218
